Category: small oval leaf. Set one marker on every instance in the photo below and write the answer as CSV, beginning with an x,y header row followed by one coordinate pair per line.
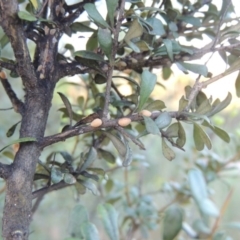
x,y
163,120
168,153
172,223
148,81
151,126
109,218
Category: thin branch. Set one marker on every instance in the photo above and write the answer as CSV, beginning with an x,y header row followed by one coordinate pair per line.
x,y
87,128
198,86
37,203
17,104
79,9
220,24
15,32
45,190
222,212
8,65
5,170
114,51
73,68
6,109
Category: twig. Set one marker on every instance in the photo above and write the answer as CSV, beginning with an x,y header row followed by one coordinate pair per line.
x,y
198,86
220,24
73,68
37,203
14,30
5,170
114,51
46,141
126,189
6,109
222,211
128,135
8,65
42,8
79,9
46,190
17,104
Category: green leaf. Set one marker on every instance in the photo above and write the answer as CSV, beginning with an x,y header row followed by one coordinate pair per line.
x,y
237,85
157,27
168,153
89,231
34,3
67,157
169,47
78,216
118,144
90,186
163,120
197,184
128,157
191,20
109,218
217,107
218,131
166,72
135,30
27,16
183,102
151,126
8,154
92,44
196,68
204,107
68,107
200,138
20,140
12,129
81,27
207,207
181,140
69,178
90,158
89,55
172,223
148,81
4,41
172,130
133,46
95,15
105,41
111,7
107,156
155,105
56,175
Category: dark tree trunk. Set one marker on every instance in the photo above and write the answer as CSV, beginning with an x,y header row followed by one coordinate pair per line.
x,y
18,203
39,78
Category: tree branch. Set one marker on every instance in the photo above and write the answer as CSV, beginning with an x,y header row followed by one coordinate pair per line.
x,y
45,190
75,131
5,170
79,9
116,31
13,28
8,65
137,62
18,105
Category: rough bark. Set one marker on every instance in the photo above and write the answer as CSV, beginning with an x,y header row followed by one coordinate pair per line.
x,y
18,202
39,81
